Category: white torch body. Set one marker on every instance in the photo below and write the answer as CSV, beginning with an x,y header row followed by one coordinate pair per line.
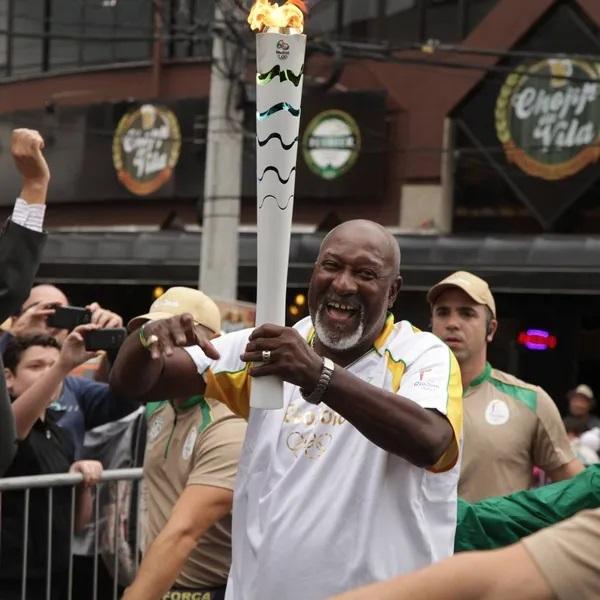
x,y
280,66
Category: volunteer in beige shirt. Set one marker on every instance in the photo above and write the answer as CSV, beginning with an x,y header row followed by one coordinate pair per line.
x,y
509,425
193,443
192,452
561,562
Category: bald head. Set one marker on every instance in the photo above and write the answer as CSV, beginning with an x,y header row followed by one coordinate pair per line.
x,y
373,234
353,286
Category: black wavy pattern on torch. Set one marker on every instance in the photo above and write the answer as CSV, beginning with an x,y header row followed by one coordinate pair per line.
x,y
283,74
284,207
285,146
276,171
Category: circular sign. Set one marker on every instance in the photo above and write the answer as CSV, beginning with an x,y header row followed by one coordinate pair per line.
x,y
331,143
497,412
548,117
146,148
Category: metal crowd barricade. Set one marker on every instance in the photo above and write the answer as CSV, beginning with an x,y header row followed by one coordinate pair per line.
x,y
71,480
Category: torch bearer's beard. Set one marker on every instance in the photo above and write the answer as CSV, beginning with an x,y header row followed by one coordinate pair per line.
x,y
337,338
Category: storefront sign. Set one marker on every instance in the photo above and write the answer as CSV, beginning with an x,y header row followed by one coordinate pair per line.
x,y
331,143
146,148
548,117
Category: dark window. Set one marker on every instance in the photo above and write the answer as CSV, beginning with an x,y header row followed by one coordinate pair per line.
x,y
399,21
188,23
133,20
404,21
325,17
361,19
477,11
28,28
67,16
43,35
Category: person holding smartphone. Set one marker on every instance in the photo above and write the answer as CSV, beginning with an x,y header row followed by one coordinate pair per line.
x,y
82,403
39,313
36,368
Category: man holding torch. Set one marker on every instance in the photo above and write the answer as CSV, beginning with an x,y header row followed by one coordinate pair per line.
x,y
354,479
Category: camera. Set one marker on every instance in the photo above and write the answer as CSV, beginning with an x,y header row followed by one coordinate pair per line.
x,y
105,339
69,317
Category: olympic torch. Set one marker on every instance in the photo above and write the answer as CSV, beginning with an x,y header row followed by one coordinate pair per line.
x,y
280,50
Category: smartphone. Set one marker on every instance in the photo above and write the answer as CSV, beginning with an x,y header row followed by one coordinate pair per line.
x,y
105,339
69,317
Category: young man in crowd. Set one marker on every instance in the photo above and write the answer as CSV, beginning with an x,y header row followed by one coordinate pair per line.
x,y
193,448
35,368
509,425
355,478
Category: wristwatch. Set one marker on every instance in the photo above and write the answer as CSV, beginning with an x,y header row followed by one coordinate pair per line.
x,y
315,396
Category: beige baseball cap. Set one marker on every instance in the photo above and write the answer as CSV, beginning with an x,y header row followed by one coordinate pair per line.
x,y
583,390
179,300
475,287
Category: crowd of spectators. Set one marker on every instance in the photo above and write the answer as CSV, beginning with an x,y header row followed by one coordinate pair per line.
x,y
391,452
50,409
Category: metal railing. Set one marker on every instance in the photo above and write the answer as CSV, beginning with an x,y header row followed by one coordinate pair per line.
x,y
50,482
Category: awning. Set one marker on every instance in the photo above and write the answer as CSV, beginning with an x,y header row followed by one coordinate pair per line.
x,y
561,264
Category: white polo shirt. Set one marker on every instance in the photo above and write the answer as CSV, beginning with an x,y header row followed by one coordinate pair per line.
x,y
318,508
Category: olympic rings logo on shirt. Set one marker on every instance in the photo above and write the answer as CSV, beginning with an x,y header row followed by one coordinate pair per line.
x,y
311,444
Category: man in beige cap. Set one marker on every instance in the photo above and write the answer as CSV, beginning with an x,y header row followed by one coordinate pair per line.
x,y
192,452
581,404
509,425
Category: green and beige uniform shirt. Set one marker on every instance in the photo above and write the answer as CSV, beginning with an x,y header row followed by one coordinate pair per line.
x,y
509,426
197,443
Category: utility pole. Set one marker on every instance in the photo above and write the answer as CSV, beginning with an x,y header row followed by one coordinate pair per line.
x,y
223,176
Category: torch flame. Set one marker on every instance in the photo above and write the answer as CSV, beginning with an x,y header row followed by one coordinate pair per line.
x,y
264,14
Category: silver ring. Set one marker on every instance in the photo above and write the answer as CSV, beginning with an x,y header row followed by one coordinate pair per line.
x,y
266,355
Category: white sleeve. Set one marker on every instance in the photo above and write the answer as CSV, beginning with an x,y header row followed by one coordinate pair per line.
x,y
591,439
29,215
229,347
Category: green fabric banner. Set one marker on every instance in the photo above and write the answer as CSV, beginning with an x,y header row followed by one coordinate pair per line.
x,y
504,520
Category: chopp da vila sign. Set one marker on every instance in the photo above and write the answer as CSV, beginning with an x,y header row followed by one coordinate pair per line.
x,y
146,148
548,117
331,143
